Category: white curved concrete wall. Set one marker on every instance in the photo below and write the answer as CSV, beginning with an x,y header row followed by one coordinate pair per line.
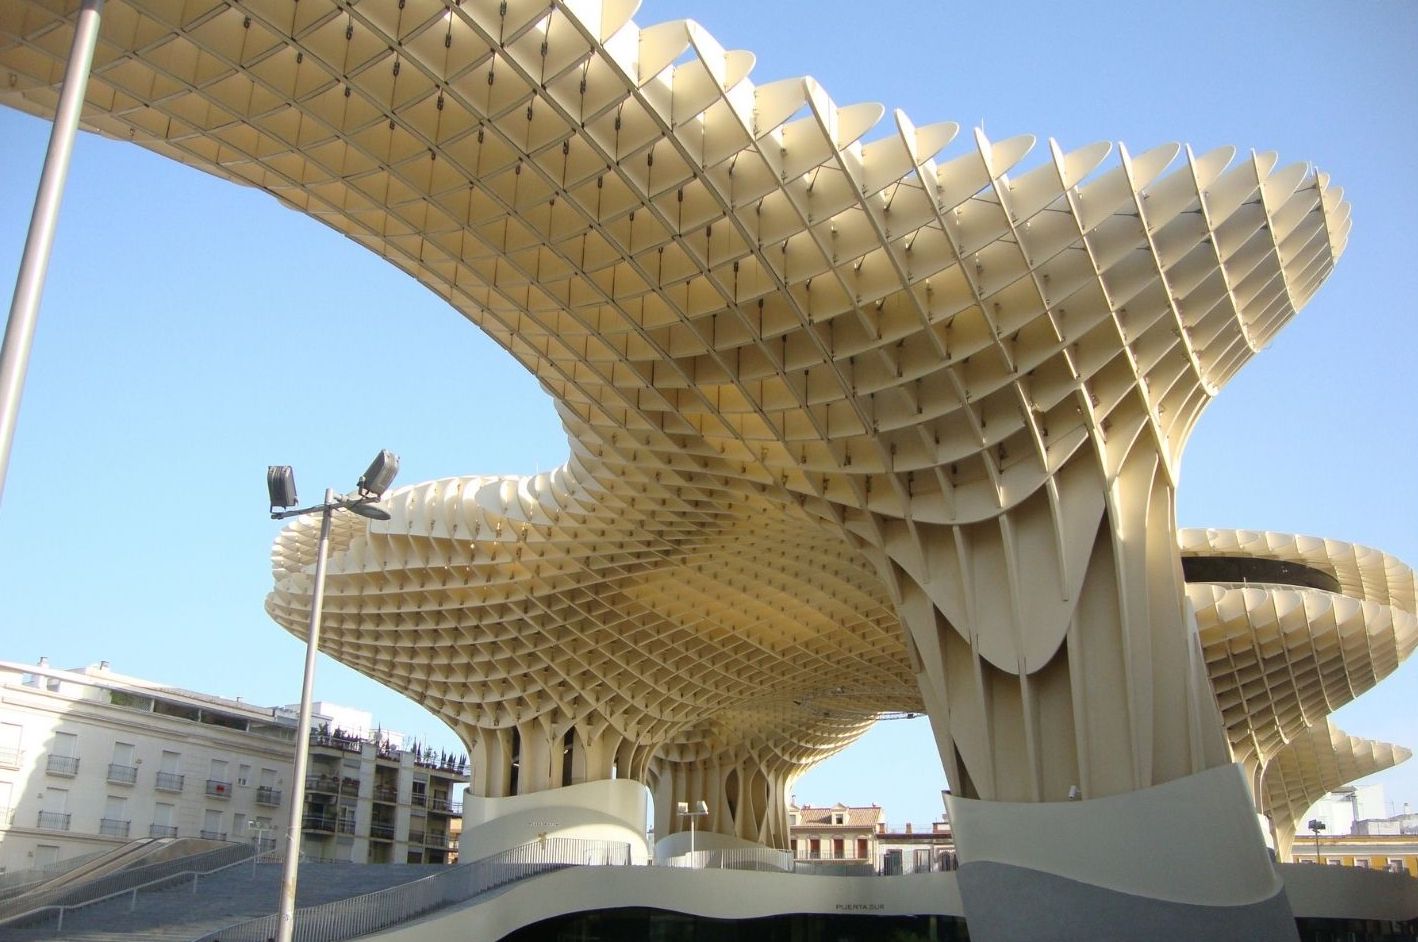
x,y
1194,840
719,894
607,810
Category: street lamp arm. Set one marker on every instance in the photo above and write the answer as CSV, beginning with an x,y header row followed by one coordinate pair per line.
x,y
353,504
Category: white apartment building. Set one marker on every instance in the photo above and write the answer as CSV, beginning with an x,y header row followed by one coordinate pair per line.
x,y
90,759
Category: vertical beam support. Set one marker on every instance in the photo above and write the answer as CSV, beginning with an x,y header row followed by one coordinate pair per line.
x,y
29,284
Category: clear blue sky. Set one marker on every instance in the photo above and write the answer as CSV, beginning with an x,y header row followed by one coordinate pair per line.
x,y
193,332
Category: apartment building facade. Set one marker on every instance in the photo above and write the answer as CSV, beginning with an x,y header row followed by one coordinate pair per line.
x,y
367,801
90,759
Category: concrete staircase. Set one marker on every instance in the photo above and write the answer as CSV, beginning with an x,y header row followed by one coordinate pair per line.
x,y
234,895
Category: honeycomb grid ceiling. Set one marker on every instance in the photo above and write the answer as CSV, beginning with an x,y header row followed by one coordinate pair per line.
x,y
773,327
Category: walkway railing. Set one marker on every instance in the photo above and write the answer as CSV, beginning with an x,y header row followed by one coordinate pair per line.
x,y
359,915
18,881
733,858
133,880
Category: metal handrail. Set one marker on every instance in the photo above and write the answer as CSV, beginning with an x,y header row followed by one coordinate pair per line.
x,y
360,915
733,858
131,880
15,881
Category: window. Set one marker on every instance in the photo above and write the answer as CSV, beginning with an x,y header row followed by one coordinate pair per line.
x,y
115,821
243,774
64,754
212,826
861,848
814,848
169,777
218,783
9,745
839,849
238,824
164,820
839,817
122,771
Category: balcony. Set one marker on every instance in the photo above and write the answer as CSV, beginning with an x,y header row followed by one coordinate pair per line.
x,y
328,784
213,835
382,832
386,793
418,800
113,827
268,796
122,774
218,789
62,765
53,820
162,830
346,826
318,822
444,806
436,840
169,781
416,837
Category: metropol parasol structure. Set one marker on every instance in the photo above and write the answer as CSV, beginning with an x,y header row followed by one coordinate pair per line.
x,y
862,420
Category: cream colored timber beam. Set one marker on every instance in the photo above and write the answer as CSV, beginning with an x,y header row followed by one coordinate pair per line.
x,y
982,382
1284,655
1314,763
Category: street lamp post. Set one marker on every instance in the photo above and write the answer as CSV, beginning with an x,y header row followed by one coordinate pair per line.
x,y
1316,825
280,484
700,808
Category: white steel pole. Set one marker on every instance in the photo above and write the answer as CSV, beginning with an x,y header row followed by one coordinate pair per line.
x,y
286,927
29,284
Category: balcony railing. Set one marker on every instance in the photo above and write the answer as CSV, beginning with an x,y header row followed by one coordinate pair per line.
x,y
416,837
218,789
445,806
62,765
169,781
213,835
383,832
162,830
54,820
122,774
418,799
436,840
114,827
318,822
386,793
268,796
346,826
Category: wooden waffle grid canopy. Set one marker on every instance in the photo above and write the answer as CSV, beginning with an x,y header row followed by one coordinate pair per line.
x,y
758,312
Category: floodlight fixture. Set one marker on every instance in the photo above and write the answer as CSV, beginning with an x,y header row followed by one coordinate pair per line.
x,y
379,475
280,485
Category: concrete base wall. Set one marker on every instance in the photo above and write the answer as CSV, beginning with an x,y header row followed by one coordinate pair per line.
x,y
1186,859
605,810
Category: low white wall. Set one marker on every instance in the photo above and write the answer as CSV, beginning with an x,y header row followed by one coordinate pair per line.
x,y
1193,840
673,845
720,894
606,810
1349,892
